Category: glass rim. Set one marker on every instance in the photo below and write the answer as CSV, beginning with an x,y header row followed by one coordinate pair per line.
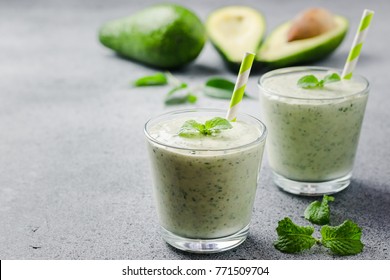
x,y
260,138
308,68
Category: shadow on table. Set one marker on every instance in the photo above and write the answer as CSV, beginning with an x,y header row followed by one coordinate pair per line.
x,y
193,68
364,201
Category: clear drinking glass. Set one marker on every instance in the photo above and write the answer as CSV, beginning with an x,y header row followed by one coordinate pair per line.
x,y
204,196
313,137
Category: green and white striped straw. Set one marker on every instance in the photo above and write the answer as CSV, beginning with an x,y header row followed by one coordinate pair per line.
x,y
357,44
240,85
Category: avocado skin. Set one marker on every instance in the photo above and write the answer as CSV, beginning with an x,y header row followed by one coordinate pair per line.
x,y
315,54
310,55
163,36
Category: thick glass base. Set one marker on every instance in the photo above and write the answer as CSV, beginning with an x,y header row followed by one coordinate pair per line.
x,y
205,246
312,188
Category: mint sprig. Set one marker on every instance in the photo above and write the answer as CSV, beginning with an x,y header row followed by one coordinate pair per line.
x,y
311,81
319,212
342,240
193,128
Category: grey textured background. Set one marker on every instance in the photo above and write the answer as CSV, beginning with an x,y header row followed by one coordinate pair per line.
x,y
74,175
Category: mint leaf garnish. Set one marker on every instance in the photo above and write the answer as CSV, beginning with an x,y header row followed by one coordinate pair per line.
x,y
331,78
343,239
318,212
152,80
216,124
311,81
293,238
192,128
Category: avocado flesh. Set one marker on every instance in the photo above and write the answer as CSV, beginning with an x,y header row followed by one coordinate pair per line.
x,y
163,36
234,30
277,52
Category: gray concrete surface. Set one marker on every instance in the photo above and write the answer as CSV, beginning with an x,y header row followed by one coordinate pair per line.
x,y
74,175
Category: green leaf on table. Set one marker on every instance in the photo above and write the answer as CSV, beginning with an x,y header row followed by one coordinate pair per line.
x,y
167,78
185,98
152,80
344,239
191,98
193,128
318,212
177,88
219,88
177,96
293,238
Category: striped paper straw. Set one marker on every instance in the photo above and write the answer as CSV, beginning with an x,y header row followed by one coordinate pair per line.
x,y
357,44
240,85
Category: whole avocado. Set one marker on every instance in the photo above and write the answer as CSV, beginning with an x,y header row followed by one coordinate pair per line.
x,y
164,36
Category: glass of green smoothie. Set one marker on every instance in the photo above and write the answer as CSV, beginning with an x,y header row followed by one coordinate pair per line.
x,y
205,185
314,132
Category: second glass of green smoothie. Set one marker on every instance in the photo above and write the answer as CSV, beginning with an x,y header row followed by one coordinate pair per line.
x,y
313,133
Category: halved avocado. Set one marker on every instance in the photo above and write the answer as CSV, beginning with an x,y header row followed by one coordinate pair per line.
x,y
234,30
277,52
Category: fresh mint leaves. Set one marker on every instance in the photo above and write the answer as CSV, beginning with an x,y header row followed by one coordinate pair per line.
x,y
157,79
311,81
332,78
219,88
293,238
318,212
185,98
181,93
342,240
193,128
177,96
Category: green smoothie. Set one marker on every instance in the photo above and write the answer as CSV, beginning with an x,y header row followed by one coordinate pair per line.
x,y
313,133
205,186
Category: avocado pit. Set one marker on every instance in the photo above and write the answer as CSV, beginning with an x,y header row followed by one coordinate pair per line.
x,y
310,23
